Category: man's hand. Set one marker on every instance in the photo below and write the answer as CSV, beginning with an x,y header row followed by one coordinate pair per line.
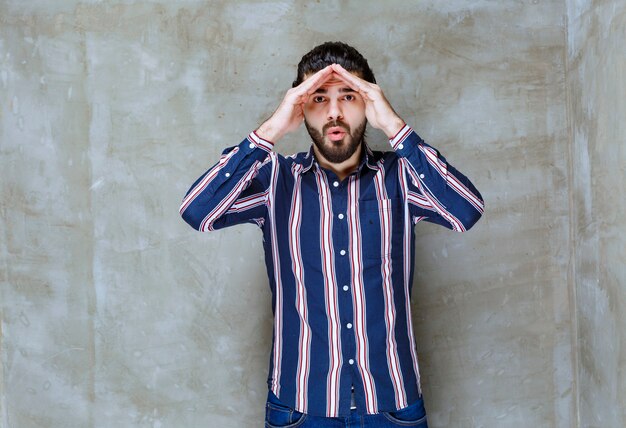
x,y
378,111
289,115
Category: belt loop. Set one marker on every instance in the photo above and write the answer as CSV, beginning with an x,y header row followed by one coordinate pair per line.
x,y
352,399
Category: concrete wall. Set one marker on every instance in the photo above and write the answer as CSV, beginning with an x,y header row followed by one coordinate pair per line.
x,y
115,313
597,100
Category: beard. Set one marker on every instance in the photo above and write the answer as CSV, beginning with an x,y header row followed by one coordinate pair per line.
x,y
337,151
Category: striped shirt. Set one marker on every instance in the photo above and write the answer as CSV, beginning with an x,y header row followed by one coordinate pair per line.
x,y
339,257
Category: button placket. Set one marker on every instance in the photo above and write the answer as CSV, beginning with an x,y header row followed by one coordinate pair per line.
x,y
341,243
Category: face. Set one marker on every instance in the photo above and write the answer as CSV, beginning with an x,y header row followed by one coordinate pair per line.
x,y
335,117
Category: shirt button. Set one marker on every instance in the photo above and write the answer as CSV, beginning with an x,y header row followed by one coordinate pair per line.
x,y
342,252
346,288
340,216
400,146
421,175
227,174
350,361
336,184
349,325
251,146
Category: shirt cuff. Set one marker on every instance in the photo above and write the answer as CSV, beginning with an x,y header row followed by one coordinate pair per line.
x,y
397,142
258,142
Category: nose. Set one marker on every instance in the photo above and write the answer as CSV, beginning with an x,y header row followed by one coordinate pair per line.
x,y
334,110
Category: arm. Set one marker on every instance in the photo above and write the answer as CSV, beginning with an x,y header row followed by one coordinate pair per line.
x,y
232,191
235,190
435,189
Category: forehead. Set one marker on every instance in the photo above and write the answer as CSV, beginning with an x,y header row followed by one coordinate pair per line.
x,y
333,80
334,84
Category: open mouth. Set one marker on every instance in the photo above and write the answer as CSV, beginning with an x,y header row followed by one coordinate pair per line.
x,y
336,133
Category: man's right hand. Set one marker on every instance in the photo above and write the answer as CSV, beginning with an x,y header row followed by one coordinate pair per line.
x,y
289,115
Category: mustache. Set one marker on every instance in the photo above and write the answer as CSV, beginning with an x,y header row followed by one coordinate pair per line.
x,y
336,123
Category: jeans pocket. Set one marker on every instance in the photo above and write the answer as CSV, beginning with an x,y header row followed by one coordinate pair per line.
x,y
412,416
277,415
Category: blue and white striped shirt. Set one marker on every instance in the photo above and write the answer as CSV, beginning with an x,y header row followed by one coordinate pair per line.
x,y
339,257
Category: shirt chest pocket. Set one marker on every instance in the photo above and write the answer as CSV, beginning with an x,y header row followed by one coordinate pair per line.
x,y
381,228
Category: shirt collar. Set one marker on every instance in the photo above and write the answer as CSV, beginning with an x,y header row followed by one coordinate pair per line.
x,y
367,158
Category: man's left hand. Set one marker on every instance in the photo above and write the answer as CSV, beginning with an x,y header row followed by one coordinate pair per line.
x,y
378,111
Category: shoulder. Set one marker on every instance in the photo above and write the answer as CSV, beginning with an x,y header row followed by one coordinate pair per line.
x,y
278,162
303,159
299,157
381,158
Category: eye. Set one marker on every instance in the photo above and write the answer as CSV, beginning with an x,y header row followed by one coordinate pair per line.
x,y
349,97
318,99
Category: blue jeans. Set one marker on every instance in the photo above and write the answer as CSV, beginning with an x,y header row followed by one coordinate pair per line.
x,y
277,415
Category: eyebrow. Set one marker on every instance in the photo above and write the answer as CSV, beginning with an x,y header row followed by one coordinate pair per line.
x,y
342,90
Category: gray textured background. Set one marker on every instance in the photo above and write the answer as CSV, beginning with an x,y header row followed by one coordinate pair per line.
x,y
115,314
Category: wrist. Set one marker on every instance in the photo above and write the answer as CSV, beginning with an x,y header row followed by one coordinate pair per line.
x,y
268,132
393,127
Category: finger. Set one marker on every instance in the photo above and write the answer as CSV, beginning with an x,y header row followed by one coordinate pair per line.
x,y
350,83
355,82
316,80
360,86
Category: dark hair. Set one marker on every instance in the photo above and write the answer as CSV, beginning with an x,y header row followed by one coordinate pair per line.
x,y
333,53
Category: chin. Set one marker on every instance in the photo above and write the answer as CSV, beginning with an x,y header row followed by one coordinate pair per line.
x,y
336,144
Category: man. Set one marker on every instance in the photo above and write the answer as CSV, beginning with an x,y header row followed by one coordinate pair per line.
x,y
337,226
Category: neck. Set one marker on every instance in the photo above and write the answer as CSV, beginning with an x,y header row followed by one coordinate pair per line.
x,y
343,169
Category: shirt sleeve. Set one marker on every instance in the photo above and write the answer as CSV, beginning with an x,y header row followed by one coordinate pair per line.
x,y
233,191
436,191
